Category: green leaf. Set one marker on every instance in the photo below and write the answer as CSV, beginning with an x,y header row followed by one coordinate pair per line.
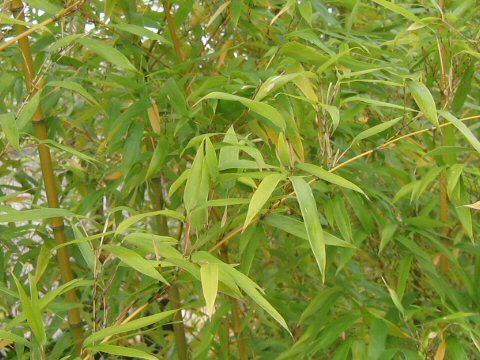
x,y
122,351
5,335
297,228
107,52
158,159
85,249
374,130
261,196
34,215
311,219
32,313
124,225
463,88
196,188
263,109
44,5
10,130
398,9
466,132
251,289
424,100
129,326
76,87
28,111
140,31
325,175
274,82
135,261
209,276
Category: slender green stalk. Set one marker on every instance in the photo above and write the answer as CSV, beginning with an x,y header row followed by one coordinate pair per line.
x,y
49,179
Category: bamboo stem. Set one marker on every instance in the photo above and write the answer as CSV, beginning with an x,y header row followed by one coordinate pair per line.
x,y
173,32
446,136
24,33
161,227
49,179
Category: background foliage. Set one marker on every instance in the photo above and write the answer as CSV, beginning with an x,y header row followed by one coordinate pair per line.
x,y
285,155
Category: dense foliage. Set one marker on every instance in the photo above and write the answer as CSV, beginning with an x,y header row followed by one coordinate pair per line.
x,y
298,177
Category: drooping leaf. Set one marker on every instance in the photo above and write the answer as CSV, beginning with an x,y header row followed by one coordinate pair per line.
x,y
311,219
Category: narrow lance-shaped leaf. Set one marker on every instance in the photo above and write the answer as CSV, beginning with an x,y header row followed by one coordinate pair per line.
x,y
33,314
209,276
129,326
329,177
124,225
466,132
10,130
135,261
311,219
263,109
374,130
424,100
261,196
122,351
107,52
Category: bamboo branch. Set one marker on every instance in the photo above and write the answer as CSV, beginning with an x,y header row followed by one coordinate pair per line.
x,y
386,145
49,179
25,32
173,32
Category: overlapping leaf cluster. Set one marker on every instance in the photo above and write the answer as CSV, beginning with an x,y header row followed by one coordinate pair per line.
x,y
283,165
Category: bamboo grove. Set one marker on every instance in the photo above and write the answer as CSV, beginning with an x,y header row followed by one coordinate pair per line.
x,y
256,179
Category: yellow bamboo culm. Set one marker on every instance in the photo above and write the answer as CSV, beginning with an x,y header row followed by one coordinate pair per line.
x,y
33,85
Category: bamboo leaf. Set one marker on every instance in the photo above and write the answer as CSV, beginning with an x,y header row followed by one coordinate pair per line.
x,y
140,31
122,351
311,218
34,215
329,177
374,130
76,87
126,224
126,327
209,276
107,52
10,130
261,196
5,335
424,100
466,132
28,111
32,313
297,228
263,109
135,261
397,9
